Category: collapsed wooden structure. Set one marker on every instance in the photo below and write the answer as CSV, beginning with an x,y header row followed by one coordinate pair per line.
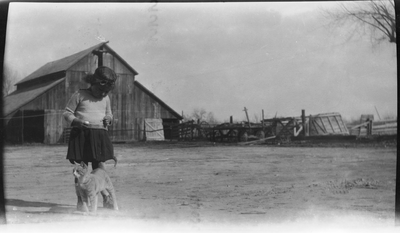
x,y
281,129
284,128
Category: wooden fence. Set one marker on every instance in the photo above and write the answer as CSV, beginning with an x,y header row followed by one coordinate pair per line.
x,y
381,127
182,131
281,129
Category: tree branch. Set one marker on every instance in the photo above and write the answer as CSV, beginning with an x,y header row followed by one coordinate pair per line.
x,y
378,15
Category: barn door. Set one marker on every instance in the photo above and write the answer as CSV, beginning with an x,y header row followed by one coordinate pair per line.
x,y
33,126
26,126
154,129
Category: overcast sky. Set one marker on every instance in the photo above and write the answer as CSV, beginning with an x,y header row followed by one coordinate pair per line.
x,y
277,57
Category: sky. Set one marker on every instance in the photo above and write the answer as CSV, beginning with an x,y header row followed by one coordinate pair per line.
x,y
276,57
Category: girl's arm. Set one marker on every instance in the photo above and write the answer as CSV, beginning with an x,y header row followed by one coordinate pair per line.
x,y
108,117
69,113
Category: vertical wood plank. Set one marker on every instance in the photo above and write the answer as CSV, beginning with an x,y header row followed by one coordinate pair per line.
x,y
46,127
330,124
124,125
120,121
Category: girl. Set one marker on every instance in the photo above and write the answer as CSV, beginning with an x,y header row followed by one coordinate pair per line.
x,y
89,113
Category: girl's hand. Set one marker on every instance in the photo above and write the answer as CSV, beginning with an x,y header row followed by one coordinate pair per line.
x,y
106,121
79,123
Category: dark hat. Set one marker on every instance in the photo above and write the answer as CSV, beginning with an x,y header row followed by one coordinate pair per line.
x,y
105,73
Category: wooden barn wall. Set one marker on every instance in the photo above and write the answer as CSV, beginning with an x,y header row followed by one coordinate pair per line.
x,y
14,128
86,64
73,82
130,106
124,127
147,107
121,97
51,99
53,103
114,63
54,125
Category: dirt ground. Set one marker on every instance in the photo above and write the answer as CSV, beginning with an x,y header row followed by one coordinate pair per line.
x,y
209,187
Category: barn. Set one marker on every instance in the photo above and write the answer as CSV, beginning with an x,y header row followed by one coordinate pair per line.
x,y
33,112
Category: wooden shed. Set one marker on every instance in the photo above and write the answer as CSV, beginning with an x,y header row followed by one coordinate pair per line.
x,y
34,110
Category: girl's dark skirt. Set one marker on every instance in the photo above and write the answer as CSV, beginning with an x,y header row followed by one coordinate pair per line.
x,y
89,145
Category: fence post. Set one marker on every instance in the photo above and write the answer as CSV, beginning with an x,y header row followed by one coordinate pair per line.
x,y
369,127
303,119
170,132
22,126
191,130
262,121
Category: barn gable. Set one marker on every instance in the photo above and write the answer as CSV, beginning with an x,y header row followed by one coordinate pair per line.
x,y
70,62
160,109
44,94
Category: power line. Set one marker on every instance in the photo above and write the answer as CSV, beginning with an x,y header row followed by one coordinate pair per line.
x,y
52,114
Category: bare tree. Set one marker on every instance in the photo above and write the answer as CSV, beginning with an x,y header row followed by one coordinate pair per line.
x,y
211,118
376,16
201,114
256,118
9,78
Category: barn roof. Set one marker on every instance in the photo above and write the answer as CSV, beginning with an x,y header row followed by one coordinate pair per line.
x,y
65,63
141,87
19,98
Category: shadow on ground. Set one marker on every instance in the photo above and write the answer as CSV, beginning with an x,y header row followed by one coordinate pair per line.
x,y
22,203
40,207
33,207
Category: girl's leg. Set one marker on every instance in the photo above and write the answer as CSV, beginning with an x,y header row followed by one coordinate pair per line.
x,y
107,200
97,164
79,205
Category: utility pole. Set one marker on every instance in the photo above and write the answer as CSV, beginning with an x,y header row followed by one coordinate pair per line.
x,y
248,120
303,120
262,121
247,115
377,113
